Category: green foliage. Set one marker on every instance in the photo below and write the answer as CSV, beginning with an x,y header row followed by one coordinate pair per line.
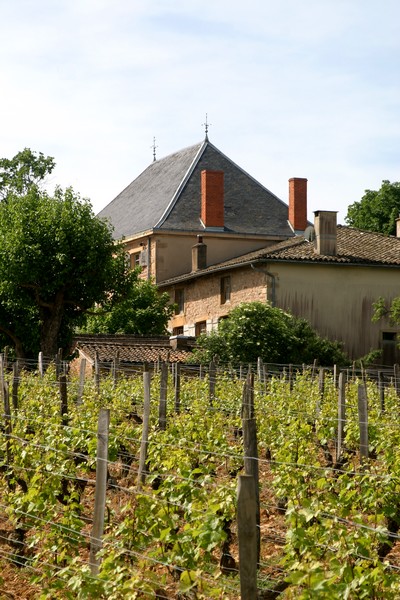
x,y
142,310
56,259
377,210
166,540
255,330
384,309
336,519
22,172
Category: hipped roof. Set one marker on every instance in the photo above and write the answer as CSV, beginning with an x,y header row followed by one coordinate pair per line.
x,y
166,196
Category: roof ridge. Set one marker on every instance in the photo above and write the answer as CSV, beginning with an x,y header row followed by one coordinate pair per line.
x,y
183,182
246,173
359,230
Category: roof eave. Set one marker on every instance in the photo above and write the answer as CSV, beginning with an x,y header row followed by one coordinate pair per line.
x,y
212,271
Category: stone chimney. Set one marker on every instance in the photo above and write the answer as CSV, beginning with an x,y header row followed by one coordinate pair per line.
x,y
325,232
298,203
199,255
212,199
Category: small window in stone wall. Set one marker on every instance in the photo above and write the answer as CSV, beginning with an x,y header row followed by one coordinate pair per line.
x,y
177,331
135,258
179,301
200,327
225,289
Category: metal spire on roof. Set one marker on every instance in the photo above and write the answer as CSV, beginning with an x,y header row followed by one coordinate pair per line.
x,y
154,149
206,125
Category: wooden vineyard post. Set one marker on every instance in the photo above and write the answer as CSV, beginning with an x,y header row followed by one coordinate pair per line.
x,y
381,389
15,385
97,372
63,399
290,377
341,414
145,430
314,367
212,374
259,369
265,375
248,536
353,371
2,379
249,427
363,421
396,379
363,373
5,357
40,364
162,410
177,382
58,363
81,385
100,491
321,382
115,369
8,421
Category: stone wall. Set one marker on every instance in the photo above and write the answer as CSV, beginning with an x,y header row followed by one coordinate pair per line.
x,y
203,298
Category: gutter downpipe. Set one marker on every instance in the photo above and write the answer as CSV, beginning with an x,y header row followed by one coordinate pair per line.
x,y
148,258
273,282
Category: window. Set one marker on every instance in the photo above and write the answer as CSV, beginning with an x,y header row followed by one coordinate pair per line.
x,y
390,354
225,289
177,331
135,258
179,301
389,336
200,327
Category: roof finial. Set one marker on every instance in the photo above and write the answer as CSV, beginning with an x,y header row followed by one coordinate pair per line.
x,y
154,149
206,125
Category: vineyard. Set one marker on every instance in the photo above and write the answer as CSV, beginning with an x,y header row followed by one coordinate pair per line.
x,y
327,462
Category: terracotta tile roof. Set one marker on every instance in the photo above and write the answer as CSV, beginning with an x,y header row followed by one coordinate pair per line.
x,y
354,247
129,349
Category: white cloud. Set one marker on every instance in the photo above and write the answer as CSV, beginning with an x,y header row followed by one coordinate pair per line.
x,y
291,89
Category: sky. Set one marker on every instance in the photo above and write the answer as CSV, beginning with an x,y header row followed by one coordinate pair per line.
x,y
290,89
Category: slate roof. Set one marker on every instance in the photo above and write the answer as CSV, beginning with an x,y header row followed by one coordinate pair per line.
x,y
354,247
166,196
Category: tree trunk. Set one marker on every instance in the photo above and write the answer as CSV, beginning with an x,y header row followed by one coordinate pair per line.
x,y
51,320
18,345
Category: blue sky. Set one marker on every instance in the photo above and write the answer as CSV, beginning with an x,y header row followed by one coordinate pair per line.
x,y
292,89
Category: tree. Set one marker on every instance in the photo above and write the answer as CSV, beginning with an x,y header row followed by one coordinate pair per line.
x,y
255,329
56,261
382,308
142,311
377,210
24,171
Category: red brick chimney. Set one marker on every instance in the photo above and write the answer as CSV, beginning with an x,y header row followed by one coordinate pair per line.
x,y
212,198
298,203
